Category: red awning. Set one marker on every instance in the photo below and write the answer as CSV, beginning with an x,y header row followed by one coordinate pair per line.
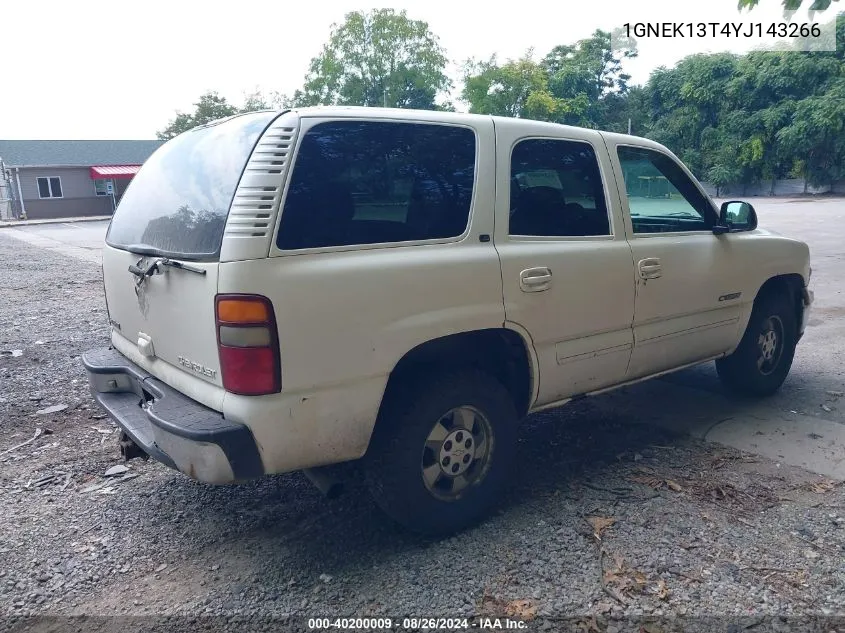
x,y
114,171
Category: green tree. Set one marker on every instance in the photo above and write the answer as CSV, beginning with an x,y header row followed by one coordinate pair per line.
x,y
614,111
721,175
590,66
377,58
257,100
790,5
578,84
685,104
210,107
746,119
588,72
517,88
768,86
815,138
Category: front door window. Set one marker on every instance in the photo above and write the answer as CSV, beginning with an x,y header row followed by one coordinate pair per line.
x,y
661,197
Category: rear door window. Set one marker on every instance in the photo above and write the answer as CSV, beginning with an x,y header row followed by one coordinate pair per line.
x,y
371,182
556,190
178,202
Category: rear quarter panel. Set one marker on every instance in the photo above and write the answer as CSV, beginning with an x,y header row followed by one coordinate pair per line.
x,y
346,316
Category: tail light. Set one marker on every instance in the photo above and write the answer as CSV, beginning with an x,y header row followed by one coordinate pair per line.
x,y
248,345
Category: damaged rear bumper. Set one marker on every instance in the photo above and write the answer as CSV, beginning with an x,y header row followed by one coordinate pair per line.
x,y
170,427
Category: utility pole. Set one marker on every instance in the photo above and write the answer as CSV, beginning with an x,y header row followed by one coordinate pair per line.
x,y
629,125
385,97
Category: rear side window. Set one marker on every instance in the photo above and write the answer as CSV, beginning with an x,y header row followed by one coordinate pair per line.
x,y
370,182
178,202
556,190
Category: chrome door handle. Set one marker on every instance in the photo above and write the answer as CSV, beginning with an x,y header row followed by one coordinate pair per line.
x,y
535,279
650,268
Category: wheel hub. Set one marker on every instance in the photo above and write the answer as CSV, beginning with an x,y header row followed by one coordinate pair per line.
x,y
768,344
456,453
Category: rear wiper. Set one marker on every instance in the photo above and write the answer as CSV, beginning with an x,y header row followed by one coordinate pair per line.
x,y
153,267
173,263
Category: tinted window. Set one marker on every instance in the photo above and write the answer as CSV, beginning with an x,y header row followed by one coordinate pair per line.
x,y
367,182
661,197
178,202
556,190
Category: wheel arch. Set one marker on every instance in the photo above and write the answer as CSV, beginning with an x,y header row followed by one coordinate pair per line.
x,y
791,285
504,353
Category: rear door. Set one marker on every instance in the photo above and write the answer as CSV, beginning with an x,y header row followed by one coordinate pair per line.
x,y
566,265
170,224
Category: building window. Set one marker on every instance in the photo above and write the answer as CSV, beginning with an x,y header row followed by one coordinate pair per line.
x,y
49,187
101,187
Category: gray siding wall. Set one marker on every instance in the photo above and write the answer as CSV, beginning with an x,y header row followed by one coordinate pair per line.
x,y
78,194
68,207
76,181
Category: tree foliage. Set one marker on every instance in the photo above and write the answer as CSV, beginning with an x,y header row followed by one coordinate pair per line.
x,y
257,100
733,119
211,106
377,58
517,88
791,5
578,84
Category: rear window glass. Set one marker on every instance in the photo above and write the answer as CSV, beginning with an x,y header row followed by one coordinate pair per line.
x,y
369,182
178,202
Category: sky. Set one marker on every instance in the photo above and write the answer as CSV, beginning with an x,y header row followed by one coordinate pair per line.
x,y
90,69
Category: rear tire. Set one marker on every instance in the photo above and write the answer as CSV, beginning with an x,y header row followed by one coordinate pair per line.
x,y
441,451
762,361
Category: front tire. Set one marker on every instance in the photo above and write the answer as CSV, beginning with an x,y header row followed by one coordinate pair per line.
x,y
442,450
762,361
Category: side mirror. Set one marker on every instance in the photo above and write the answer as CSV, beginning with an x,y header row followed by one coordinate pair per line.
x,y
736,216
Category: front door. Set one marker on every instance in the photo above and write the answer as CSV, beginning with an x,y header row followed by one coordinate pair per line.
x,y
566,266
686,308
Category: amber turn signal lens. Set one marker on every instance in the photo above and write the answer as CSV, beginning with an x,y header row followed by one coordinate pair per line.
x,y
242,311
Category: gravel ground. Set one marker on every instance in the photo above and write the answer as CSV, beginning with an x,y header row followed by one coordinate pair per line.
x,y
607,520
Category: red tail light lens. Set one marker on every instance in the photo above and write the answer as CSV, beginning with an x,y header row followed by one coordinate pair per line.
x,y
248,345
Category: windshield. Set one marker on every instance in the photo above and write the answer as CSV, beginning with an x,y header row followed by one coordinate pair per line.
x,y
178,202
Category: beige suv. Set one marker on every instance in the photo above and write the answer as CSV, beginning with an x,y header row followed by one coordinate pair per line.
x,y
290,290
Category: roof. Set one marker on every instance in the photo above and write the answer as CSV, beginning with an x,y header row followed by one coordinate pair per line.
x,y
76,153
446,117
386,113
